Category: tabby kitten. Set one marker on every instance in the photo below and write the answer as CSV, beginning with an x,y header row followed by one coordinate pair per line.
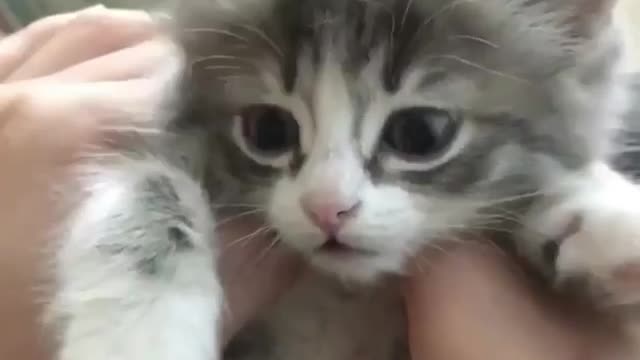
x,y
366,130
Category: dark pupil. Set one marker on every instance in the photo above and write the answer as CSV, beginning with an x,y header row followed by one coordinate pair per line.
x,y
270,129
413,131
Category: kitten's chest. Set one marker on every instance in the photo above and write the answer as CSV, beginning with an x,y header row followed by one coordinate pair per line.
x,y
321,320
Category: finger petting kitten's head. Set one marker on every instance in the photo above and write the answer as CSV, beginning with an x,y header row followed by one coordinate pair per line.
x,y
367,128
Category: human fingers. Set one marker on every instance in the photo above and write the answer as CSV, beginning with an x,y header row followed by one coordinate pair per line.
x,y
138,61
476,304
17,47
42,128
87,35
53,119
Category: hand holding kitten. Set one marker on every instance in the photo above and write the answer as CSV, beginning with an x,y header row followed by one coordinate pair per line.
x,y
475,303
62,78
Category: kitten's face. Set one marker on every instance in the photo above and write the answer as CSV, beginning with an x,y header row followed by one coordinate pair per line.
x,y
369,128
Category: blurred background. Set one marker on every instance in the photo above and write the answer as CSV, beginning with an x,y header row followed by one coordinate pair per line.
x,y
629,15
16,13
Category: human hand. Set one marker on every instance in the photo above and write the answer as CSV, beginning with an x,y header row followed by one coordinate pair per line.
x,y
475,303
55,76
66,82
64,78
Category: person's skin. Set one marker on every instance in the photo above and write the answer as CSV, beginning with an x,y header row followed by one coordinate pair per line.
x,y
67,77
476,303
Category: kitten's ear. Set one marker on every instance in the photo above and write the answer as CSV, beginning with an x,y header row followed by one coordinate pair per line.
x,y
587,17
582,18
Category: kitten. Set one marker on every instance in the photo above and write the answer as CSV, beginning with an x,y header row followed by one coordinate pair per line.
x,y
367,130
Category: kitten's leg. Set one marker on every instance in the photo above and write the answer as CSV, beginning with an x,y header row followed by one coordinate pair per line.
x,y
588,236
591,228
135,271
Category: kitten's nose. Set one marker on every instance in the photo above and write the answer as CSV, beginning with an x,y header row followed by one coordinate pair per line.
x,y
328,214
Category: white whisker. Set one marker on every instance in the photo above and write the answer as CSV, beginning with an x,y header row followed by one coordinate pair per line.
x,y
266,251
236,205
478,66
221,58
248,237
406,13
265,37
477,39
238,216
218,31
223,67
435,16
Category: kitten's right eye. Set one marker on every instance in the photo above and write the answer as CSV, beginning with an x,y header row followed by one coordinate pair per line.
x,y
267,132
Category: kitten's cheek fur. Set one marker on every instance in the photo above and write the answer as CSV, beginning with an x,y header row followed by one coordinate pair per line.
x,y
135,271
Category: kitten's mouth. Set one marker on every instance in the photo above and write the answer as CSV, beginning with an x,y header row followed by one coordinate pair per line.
x,y
333,246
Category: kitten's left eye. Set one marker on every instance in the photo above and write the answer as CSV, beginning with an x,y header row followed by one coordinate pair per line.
x,y
267,133
269,129
419,132
421,138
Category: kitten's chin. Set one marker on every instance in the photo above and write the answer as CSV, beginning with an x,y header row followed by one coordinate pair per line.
x,y
359,268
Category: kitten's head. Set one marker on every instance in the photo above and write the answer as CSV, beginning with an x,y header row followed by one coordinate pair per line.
x,y
368,128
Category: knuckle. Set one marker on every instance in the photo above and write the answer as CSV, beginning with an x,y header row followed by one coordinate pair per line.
x,y
16,119
19,104
10,55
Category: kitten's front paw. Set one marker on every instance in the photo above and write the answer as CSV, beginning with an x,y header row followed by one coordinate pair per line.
x,y
597,262
135,270
590,242
599,255
152,349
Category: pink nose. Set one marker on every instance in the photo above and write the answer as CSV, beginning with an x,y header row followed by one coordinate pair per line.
x,y
328,214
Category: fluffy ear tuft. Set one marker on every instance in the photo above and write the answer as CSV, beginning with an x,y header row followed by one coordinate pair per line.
x,y
588,17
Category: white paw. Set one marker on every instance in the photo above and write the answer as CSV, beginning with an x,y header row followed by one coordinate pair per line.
x,y
604,252
590,241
